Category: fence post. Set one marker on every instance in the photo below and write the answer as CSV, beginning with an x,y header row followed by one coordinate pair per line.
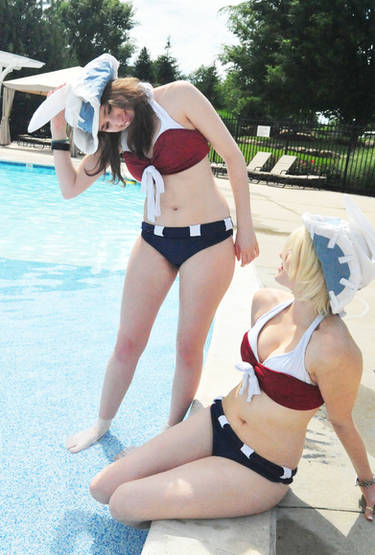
x,y
287,139
237,129
352,143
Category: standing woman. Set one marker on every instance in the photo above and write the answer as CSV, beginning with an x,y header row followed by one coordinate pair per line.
x,y
163,134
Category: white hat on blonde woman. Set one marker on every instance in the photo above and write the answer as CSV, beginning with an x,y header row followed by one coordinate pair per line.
x,y
346,251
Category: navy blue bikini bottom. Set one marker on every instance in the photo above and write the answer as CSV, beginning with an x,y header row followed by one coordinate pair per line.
x,y
177,244
227,444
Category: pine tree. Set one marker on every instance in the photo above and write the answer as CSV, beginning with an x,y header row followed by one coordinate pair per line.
x,y
143,67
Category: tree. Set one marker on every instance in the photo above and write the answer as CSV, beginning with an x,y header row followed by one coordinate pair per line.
x,y
207,80
296,58
67,33
143,67
25,30
95,26
166,69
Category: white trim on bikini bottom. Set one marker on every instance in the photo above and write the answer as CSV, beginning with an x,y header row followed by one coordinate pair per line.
x,y
195,230
228,223
223,420
247,450
287,473
158,230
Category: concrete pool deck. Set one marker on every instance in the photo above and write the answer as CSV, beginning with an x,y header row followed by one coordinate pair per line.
x,y
320,513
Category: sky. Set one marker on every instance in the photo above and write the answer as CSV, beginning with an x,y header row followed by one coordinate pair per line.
x,y
197,31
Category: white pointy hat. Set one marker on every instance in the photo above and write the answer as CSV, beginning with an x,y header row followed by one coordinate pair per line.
x,y
81,100
346,251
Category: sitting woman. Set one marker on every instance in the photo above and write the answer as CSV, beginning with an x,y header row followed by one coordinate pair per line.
x,y
238,457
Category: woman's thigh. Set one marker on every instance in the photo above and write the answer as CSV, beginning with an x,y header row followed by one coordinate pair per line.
x,y
204,279
211,487
187,441
148,279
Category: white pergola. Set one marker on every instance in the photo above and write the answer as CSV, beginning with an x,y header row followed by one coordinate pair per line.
x,y
41,84
10,62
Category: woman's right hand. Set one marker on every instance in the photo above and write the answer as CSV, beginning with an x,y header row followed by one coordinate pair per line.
x,y
58,122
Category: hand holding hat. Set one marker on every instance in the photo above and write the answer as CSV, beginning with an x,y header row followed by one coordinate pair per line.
x,y
81,101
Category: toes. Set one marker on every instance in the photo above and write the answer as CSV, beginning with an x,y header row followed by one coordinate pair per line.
x,y
70,443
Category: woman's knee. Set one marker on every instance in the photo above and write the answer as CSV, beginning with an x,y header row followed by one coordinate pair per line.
x,y
190,350
129,347
123,505
99,490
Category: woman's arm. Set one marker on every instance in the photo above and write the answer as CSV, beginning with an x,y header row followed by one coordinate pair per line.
x,y
201,114
72,181
352,441
338,376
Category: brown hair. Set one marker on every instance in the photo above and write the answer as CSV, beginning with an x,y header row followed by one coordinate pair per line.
x,y
125,93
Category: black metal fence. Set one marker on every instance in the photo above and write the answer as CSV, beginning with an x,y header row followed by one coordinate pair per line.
x,y
344,156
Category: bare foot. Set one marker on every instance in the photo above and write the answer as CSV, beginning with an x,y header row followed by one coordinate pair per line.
x,y
84,439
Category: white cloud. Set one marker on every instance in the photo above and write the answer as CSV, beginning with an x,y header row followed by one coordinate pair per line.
x,y
196,29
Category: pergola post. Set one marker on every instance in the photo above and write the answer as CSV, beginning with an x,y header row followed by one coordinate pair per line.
x,y
5,138
10,62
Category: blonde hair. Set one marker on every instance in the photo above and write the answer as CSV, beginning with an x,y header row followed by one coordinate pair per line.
x,y
306,270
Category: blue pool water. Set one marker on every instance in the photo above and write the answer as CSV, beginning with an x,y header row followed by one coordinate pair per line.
x,y
61,275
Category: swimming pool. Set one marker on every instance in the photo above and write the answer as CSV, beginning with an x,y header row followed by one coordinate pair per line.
x,y
62,269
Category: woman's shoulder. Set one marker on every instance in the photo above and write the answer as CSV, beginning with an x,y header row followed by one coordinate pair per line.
x,y
173,86
266,298
175,92
334,344
177,98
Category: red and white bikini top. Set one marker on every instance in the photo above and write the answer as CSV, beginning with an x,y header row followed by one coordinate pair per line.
x,y
174,150
283,377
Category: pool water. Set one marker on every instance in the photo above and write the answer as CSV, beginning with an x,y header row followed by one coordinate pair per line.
x,y
62,266
95,229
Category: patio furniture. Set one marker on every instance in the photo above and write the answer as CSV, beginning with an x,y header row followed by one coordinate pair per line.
x,y
279,174
218,168
36,142
283,165
280,169
258,162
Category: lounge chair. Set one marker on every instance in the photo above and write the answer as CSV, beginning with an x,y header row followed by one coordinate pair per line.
x,y
279,173
258,162
36,142
218,168
280,169
283,165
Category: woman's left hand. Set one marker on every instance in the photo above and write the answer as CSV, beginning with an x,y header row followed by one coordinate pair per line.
x,y
246,246
369,496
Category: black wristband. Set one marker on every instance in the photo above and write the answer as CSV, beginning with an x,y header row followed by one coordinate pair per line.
x,y
365,483
59,145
